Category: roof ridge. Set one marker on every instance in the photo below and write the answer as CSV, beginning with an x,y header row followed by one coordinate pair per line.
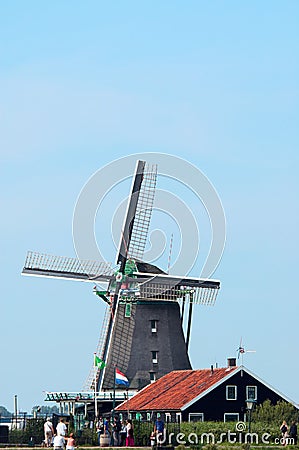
x,y
204,369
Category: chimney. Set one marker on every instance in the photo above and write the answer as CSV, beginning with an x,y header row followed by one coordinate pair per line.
x,y
231,362
212,369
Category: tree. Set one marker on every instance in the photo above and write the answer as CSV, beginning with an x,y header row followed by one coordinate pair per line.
x,y
269,413
45,410
4,412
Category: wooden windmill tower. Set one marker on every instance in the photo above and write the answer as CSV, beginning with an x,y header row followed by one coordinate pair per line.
x,y
142,332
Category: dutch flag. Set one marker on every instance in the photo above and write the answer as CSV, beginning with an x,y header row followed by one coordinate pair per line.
x,y
120,378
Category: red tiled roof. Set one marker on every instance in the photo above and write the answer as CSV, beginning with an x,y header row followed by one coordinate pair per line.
x,y
175,389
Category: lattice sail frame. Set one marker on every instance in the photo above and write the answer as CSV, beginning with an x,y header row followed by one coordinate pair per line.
x,y
92,377
163,292
143,213
61,266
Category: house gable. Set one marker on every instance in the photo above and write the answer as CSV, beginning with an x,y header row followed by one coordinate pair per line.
x,y
215,403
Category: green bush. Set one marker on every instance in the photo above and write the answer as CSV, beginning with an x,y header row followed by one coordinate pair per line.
x,y
33,433
86,437
270,414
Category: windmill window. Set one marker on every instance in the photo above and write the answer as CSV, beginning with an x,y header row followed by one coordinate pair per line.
x,y
231,417
152,376
251,392
231,392
196,417
154,326
154,357
128,310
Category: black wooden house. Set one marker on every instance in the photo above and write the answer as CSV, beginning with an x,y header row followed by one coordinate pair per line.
x,y
202,395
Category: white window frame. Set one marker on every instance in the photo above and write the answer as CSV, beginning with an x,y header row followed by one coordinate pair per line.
x,y
231,414
178,417
152,380
154,329
255,391
196,414
154,360
148,416
167,416
231,386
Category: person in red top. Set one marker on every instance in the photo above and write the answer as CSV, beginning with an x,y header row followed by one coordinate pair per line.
x,y
70,444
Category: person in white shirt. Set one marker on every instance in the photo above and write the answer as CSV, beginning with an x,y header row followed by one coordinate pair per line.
x,y
49,432
58,442
61,428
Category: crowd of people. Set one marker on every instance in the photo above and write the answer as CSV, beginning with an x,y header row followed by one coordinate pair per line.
x,y
58,440
118,433
121,433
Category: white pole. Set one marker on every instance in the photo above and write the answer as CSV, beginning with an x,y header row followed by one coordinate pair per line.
x,y
95,389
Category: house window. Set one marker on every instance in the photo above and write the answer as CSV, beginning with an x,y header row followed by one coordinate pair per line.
x,y
167,417
148,416
178,417
152,376
154,357
231,392
154,326
231,417
196,417
251,392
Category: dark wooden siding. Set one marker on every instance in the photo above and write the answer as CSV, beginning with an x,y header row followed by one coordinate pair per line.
x,y
214,404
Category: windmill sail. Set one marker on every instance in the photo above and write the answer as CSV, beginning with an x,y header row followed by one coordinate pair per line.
x,y
171,288
143,213
138,215
42,265
89,384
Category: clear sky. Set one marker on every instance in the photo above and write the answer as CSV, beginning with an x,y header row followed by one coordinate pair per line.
x,y
84,83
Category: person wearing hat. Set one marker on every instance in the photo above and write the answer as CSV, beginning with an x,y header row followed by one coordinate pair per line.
x,y
49,432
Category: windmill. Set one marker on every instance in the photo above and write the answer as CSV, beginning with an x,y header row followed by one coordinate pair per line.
x,y
142,331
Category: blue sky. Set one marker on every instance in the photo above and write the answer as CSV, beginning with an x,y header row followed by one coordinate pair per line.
x,y
84,83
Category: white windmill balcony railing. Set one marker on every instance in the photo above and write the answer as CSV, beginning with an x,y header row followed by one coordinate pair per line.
x,y
80,397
